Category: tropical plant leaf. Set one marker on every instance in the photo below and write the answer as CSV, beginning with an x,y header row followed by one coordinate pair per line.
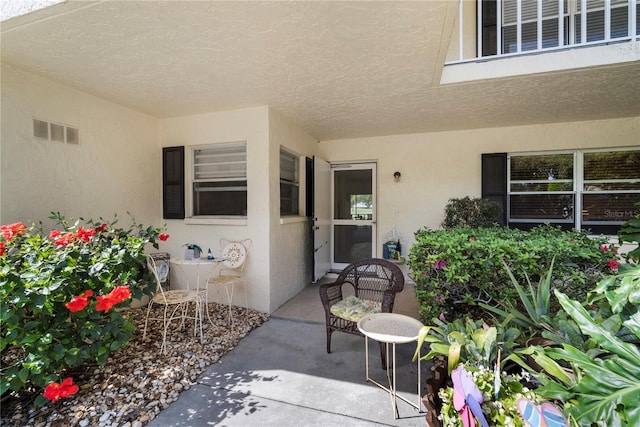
x,y
607,392
436,349
453,357
543,296
528,305
606,389
603,337
633,323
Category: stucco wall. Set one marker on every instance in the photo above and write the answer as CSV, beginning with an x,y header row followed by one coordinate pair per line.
x,y
438,166
114,169
250,125
290,238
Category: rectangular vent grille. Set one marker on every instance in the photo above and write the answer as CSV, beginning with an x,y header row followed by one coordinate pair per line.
x,y
55,132
73,136
40,129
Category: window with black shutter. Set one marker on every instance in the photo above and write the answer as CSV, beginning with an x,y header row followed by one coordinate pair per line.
x,y
595,190
173,182
494,181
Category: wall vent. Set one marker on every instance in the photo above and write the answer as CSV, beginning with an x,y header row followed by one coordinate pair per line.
x,y
55,132
73,136
40,129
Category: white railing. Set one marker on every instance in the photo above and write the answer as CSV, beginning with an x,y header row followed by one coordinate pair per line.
x,y
515,27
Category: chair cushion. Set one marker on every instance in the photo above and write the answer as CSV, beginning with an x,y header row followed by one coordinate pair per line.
x,y
353,308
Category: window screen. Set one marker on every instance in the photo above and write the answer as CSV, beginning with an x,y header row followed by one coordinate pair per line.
x,y
611,187
595,190
289,183
220,180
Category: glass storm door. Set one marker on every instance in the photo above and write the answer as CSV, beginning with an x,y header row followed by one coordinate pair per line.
x,y
353,213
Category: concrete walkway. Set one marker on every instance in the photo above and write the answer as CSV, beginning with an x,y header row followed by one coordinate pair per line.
x,y
281,375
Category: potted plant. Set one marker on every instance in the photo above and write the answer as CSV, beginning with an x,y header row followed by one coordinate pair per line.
x,y
196,251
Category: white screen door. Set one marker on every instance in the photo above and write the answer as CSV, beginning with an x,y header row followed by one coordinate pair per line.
x,y
321,218
353,207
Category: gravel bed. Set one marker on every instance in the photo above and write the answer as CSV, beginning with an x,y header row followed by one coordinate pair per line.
x,y
137,382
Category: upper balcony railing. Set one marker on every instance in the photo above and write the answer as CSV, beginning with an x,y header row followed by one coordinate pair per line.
x,y
498,28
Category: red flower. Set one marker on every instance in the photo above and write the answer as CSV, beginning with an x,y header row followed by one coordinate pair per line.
x,y
116,296
604,248
101,228
9,231
55,391
3,248
54,234
472,239
104,303
121,293
79,302
64,239
163,236
85,235
612,264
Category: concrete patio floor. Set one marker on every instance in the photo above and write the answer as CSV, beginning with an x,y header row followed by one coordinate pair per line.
x,y
281,375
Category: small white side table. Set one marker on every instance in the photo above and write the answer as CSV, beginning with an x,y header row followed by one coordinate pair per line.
x,y
391,328
209,264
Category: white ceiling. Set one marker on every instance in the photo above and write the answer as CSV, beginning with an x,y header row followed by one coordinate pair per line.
x,y
338,69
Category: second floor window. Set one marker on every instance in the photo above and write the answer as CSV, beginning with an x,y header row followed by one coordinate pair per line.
x,y
219,177
559,23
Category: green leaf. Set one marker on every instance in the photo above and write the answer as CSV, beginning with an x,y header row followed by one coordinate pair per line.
x,y
603,337
633,323
453,357
523,296
551,367
23,374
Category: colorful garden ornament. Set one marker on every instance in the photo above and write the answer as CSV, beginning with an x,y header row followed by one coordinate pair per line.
x,y
467,398
545,415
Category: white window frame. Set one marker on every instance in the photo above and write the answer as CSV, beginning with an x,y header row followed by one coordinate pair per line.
x,y
237,171
573,191
295,183
560,10
577,190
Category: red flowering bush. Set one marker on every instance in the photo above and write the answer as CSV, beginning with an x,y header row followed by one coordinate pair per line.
x,y
59,294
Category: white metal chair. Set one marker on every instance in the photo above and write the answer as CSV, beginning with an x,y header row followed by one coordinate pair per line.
x,y
176,306
229,275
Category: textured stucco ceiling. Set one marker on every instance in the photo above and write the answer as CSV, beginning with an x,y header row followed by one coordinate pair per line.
x,y
338,69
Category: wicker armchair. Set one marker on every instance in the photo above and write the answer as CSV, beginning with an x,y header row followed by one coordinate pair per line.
x,y
375,283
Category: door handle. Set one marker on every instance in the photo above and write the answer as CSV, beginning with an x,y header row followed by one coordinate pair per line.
x,y
316,228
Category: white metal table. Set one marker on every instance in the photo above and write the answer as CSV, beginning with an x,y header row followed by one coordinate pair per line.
x,y
391,328
211,264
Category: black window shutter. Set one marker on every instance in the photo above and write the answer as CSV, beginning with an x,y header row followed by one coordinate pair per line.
x,y
173,182
494,180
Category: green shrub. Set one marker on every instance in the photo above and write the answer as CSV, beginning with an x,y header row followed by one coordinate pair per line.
x,y
471,212
57,292
465,265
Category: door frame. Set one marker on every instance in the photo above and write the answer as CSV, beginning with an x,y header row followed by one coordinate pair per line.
x,y
373,222
321,218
